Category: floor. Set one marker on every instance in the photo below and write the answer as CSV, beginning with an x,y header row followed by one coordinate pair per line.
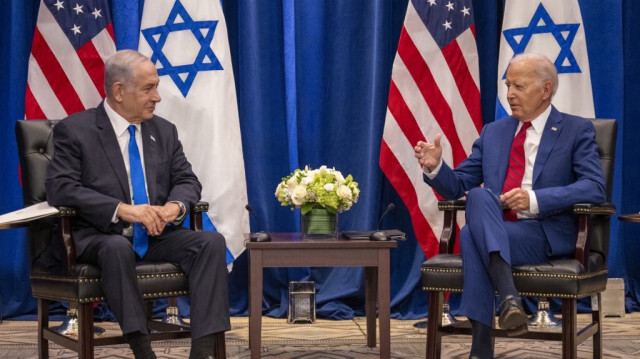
x,y
334,340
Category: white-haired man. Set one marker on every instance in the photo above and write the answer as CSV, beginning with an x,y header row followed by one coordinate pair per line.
x,y
534,165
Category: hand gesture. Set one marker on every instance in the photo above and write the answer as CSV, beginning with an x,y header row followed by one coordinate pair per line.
x,y
169,212
429,154
516,199
149,216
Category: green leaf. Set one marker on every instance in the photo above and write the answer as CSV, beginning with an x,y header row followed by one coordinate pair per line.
x,y
306,207
331,210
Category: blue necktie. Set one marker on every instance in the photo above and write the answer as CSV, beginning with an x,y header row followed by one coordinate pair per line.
x,y
140,238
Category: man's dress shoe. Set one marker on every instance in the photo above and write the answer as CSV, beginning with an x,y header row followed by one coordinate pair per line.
x,y
512,316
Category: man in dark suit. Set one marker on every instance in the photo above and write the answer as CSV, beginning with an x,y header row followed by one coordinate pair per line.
x,y
124,171
534,166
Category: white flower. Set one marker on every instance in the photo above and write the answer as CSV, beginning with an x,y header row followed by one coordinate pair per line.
x,y
292,182
322,187
306,180
298,195
345,193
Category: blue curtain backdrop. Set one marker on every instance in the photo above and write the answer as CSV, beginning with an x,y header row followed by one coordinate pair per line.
x,y
312,82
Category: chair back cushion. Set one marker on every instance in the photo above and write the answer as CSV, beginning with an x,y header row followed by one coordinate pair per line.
x,y
35,148
606,132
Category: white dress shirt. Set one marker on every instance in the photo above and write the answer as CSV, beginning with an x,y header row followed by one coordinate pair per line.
x,y
531,144
121,129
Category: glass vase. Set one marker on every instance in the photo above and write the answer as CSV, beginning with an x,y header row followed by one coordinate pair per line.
x,y
319,223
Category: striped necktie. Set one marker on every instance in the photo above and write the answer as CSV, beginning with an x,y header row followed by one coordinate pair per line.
x,y
515,172
140,238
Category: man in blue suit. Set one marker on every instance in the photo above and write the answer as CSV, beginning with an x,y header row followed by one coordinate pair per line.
x,y
522,214
124,171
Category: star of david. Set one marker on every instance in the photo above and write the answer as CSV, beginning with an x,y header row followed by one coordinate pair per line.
x,y
565,62
198,29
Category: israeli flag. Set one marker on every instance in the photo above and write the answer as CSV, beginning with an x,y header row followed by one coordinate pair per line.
x,y
555,29
187,41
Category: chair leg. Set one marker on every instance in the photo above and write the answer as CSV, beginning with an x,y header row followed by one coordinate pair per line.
x,y
596,317
220,346
85,330
569,329
434,325
43,322
149,307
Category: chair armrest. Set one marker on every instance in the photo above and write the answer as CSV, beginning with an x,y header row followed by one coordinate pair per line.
x,y
195,220
605,208
452,205
25,219
448,236
64,230
585,211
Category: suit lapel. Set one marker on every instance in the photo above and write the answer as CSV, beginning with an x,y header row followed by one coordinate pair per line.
x,y
549,137
112,149
150,160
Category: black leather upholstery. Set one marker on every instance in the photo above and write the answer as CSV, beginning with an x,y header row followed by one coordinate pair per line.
x,y
569,279
56,276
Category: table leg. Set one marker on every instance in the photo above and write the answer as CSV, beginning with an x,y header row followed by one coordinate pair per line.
x,y
370,293
384,300
255,301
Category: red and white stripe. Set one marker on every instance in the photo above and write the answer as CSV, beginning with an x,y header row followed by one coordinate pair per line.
x,y
432,91
61,80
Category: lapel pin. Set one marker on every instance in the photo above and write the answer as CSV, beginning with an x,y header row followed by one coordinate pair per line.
x,y
552,129
154,140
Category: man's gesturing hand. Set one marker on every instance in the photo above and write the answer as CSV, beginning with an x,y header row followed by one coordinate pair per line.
x,y
429,154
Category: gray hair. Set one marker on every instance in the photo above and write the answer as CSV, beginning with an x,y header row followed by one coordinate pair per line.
x,y
545,70
119,68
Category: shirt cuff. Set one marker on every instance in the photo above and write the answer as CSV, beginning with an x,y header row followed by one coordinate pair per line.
x,y
114,218
181,215
533,202
432,174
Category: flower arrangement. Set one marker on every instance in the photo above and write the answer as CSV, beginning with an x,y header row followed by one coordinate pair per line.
x,y
323,187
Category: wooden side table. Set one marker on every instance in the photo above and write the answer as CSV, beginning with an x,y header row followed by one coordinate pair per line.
x,y
289,250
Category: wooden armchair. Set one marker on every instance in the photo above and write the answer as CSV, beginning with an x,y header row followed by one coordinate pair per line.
x,y
55,275
568,279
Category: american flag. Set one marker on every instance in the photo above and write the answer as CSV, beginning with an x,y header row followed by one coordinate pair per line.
x,y
72,39
434,89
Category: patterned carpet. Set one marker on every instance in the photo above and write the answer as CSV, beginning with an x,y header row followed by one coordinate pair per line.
x,y
333,340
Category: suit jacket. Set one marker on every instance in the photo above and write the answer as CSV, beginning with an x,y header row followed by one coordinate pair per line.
x,y
566,171
87,171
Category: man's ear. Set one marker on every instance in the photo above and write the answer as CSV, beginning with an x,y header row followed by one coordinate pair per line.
x,y
547,89
117,89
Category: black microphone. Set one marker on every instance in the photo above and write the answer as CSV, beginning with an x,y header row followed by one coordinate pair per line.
x,y
379,235
390,207
260,236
